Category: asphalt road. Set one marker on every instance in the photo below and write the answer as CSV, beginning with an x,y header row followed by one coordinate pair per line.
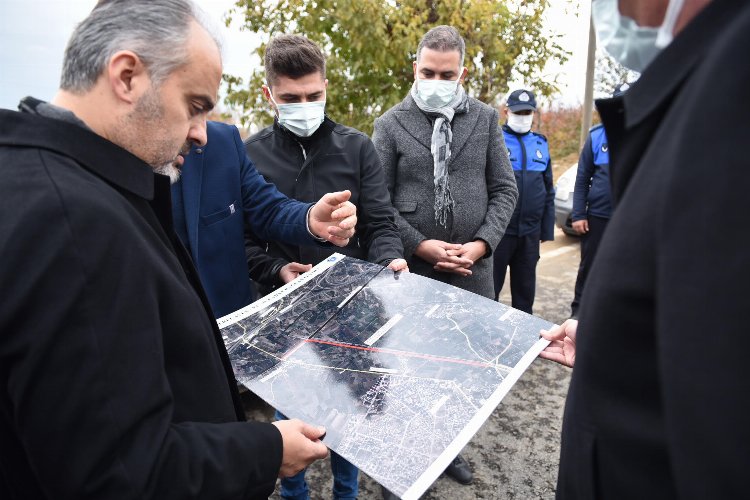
x,y
515,453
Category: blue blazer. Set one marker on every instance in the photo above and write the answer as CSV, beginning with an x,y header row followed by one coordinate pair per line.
x,y
219,192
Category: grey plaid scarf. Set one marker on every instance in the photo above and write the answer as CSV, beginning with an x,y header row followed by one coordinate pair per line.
x,y
440,147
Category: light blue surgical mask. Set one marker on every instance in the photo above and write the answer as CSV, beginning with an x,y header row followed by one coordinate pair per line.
x,y
437,93
631,45
301,118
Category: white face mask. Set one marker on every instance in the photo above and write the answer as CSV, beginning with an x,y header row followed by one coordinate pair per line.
x,y
520,124
301,118
437,93
631,45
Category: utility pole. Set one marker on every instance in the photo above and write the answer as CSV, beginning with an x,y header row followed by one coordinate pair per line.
x,y
588,99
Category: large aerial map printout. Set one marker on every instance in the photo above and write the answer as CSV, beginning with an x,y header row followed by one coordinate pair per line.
x,y
401,370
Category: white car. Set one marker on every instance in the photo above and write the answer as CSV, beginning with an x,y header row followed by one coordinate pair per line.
x,y
564,200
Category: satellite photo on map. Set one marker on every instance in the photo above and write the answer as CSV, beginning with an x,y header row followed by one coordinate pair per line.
x,y
401,370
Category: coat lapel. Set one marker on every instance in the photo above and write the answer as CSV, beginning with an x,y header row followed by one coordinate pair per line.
x,y
192,181
415,122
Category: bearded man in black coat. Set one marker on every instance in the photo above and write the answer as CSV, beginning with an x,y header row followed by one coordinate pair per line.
x,y
115,381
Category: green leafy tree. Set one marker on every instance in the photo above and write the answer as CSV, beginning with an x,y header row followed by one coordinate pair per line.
x,y
371,44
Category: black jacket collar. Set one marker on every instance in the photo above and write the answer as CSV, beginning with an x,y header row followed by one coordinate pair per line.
x,y
93,152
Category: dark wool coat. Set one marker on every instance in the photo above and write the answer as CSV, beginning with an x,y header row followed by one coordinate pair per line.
x,y
660,396
114,381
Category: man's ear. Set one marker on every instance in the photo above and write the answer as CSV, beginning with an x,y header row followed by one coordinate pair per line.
x,y
414,65
464,72
127,76
267,93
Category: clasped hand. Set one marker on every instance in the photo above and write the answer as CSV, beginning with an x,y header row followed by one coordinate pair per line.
x,y
451,257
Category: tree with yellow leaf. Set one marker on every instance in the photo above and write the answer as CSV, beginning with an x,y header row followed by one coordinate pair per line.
x,y
371,43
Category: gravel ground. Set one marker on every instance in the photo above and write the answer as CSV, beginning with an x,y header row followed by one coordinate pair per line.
x,y
515,453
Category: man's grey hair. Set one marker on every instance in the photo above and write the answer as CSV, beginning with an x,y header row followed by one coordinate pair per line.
x,y
156,30
443,39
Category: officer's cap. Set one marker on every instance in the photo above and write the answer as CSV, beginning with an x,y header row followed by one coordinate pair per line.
x,y
621,89
520,100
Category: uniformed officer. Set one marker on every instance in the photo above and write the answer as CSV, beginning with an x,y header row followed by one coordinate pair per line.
x,y
533,218
592,205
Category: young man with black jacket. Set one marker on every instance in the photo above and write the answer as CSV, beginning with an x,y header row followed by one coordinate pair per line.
x,y
305,153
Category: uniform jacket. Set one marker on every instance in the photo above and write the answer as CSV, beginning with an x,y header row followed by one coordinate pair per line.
x,y
334,158
659,399
220,192
592,195
532,166
114,378
481,181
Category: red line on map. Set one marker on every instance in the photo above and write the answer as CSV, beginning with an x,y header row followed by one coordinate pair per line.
x,y
293,350
402,353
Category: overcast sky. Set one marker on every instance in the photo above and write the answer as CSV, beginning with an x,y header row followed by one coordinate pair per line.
x,y
33,35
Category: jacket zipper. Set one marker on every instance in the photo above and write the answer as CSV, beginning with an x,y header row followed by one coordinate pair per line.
x,y
304,159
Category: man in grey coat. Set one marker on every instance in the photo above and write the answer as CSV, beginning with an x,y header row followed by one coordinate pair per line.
x,y
447,169
448,175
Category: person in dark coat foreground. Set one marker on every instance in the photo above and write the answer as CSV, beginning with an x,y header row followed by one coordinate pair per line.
x,y
659,397
115,381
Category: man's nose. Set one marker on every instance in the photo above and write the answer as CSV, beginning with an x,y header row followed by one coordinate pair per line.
x,y
198,133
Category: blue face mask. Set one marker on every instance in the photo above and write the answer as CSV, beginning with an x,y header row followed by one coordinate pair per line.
x,y
437,93
301,118
631,45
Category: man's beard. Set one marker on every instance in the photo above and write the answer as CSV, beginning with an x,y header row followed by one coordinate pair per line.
x,y
149,115
170,170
